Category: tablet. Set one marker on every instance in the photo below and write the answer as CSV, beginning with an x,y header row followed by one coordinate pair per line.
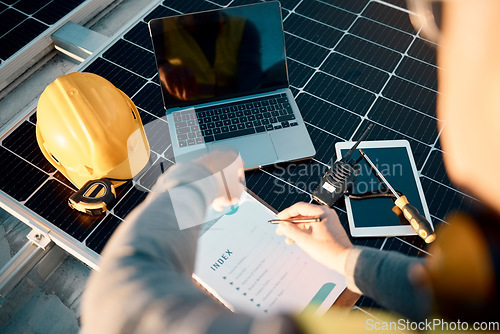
x,y
374,216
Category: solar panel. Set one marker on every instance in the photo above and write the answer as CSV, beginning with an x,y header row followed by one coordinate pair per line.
x,y
351,63
24,20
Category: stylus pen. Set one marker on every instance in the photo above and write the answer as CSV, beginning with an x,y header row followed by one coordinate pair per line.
x,y
295,221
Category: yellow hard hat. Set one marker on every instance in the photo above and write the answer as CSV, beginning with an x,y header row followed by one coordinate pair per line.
x,y
89,129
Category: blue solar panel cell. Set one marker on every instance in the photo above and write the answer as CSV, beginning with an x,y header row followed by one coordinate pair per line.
x,y
21,35
97,240
303,175
55,10
381,34
399,3
355,72
404,120
423,50
324,142
274,191
190,6
368,52
160,11
418,72
352,6
140,35
305,52
327,14
51,202
389,16
434,168
134,197
298,73
411,95
149,178
326,116
22,141
156,131
30,6
134,58
442,200
312,30
289,4
340,93
10,19
149,98
18,178
121,78
379,132
396,244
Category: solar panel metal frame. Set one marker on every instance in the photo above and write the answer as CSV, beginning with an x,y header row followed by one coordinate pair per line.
x,y
42,45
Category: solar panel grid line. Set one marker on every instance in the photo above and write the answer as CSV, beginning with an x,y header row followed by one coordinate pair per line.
x,y
108,232
286,182
400,59
420,249
338,7
24,159
412,108
323,130
24,201
125,69
18,19
304,39
450,187
331,103
438,219
410,56
139,46
417,83
90,235
386,3
137,63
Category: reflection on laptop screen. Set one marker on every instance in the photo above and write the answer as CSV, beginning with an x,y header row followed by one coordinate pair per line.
x,y
220,54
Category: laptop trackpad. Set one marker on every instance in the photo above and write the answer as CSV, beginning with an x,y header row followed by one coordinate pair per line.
x,y
256,150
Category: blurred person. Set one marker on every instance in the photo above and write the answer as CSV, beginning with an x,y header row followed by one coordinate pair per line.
x,y
144,283
461,279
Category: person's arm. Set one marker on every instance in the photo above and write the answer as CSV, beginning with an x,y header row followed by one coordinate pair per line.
x,y
144,283
381,275
385,277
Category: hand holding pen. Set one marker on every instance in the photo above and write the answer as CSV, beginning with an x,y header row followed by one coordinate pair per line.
x,y
325,240
296,220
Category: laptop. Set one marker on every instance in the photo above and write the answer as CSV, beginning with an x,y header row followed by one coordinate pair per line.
x,y
224,82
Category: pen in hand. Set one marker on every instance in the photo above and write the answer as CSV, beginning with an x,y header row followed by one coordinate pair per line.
x,y
295,220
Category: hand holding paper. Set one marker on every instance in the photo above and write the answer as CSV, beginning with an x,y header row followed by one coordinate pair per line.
x,y
326,242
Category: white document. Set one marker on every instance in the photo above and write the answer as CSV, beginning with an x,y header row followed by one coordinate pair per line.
x,y
242,261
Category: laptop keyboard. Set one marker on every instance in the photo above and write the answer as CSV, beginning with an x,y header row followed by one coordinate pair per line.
x,y
208,124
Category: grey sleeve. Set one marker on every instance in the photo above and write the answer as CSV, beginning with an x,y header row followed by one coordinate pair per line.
x,y
144,282
383,276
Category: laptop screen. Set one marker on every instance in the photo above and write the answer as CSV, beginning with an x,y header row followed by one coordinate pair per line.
x,y
219,54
